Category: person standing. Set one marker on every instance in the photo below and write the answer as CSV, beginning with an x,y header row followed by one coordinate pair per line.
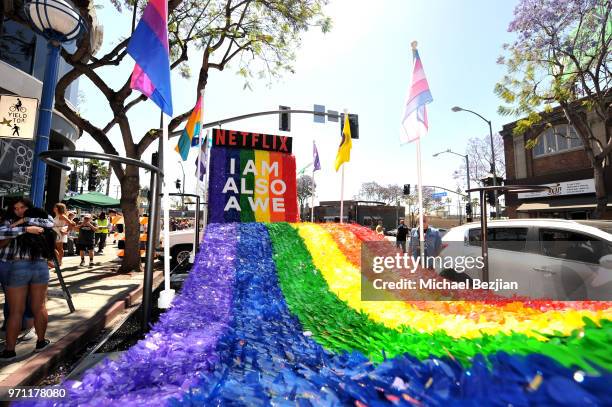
x,y
6,234
400,238
72,235
103,226
86,240
433,241
28,275
61,226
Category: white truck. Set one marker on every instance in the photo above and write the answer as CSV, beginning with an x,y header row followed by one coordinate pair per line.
x,y
181,245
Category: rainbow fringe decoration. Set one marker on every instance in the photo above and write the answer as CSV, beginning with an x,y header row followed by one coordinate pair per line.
x,y
271,315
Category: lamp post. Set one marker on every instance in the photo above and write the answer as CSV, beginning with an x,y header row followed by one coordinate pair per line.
x,y
467,166
460,109
58,21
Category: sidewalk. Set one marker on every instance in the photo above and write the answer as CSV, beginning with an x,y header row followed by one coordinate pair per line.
x,y
99,295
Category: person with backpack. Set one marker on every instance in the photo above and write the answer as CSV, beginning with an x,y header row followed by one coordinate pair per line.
x,y
86,241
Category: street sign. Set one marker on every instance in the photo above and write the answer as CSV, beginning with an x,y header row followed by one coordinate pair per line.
x,y
17,117
438,195
319,116
333,116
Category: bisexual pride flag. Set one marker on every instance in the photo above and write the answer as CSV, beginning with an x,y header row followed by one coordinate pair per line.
x,y
149,48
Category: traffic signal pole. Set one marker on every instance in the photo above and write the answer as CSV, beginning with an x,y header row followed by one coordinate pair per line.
x,y
257,114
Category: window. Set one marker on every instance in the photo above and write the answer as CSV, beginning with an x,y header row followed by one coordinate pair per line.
x,y
17,46
557,139
509,238
568,245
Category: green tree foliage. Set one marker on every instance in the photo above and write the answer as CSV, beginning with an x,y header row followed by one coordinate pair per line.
x,y
561,60
259,37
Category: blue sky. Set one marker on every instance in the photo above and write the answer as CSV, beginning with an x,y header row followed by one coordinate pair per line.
x,y
364,65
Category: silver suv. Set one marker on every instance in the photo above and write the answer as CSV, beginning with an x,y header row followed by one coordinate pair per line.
x,y
548,258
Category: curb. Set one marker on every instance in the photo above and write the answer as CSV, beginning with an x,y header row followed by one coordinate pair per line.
x,y
41,364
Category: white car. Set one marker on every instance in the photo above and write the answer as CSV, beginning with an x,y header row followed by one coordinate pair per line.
x,y
181,245
548,258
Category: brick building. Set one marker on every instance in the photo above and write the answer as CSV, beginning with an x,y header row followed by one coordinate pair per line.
x,y
559,161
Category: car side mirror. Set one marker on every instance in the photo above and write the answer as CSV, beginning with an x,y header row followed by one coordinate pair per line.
x,y
606,261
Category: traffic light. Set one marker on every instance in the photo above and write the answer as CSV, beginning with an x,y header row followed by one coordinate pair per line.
x,y
468,209
406,189
73,181
284,119
92,178
177,183
353,123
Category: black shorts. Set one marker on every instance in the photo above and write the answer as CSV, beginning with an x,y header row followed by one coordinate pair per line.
x,y
85,246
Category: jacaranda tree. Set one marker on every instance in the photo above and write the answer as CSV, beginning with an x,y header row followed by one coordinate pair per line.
x,y
561,58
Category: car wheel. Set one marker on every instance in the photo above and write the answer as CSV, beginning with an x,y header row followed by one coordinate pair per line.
x,y
180,254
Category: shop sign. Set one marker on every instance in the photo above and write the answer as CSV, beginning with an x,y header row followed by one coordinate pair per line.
x,y
583,186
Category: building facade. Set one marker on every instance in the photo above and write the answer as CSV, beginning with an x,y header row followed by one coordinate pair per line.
x,y
559,161
23,56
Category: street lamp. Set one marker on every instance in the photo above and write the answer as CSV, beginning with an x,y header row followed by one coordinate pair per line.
x,y
467,166
460,109
58,21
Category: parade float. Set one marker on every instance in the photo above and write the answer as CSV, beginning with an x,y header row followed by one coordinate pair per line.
x,y
272,314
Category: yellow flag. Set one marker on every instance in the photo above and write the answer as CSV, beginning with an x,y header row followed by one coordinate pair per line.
x,y
344,151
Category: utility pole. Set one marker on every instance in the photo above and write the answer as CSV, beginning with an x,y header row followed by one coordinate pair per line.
x,y
82,175
108,180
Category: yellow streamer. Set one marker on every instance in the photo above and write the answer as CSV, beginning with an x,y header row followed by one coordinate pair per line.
x,y
344,280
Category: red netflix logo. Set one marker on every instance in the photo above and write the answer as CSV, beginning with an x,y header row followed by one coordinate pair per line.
x,y
255,141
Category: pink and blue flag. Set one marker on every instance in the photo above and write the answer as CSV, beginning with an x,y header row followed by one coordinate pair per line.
x,y
415,116
315,157
149,48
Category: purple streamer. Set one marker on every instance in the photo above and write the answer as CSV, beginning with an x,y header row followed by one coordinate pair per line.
x,y
181,345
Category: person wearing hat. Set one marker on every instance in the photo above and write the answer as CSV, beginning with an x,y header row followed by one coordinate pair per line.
x,y
86,240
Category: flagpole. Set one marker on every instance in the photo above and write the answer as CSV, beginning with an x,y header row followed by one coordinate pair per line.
x,y
420,193
166,296
312,196
205,209
342,186
197,210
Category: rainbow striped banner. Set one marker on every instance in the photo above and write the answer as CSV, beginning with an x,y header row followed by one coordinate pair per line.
x,y
249,185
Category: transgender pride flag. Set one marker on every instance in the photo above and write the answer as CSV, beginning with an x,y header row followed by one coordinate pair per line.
x,y
415,116
149,48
